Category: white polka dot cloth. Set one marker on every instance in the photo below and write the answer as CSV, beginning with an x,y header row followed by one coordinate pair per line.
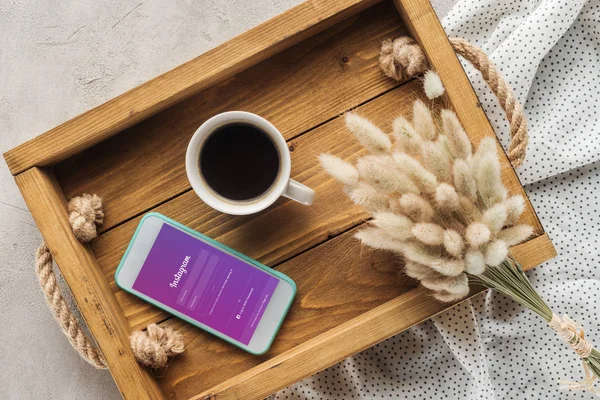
x,y
490,347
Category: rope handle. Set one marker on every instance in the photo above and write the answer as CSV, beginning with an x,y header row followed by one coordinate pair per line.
x,y
152,347
403,58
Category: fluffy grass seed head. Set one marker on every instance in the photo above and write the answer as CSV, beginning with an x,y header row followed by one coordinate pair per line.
x,y
423,121
416,208
407,138
495,253
428,233
474,262
515,234
437,160
425,180
477,234
515,205
341,170
432,84
486,169
457,139
368,134
464,180
453,243
396,226
367,196
446,197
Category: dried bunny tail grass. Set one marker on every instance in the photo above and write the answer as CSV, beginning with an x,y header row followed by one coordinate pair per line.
x,y
474,262
383,176
407,138
468,210
458,285
423,121
395,225
515,234
366,196
428,233
416,208
419,253
477,234
515,205
458,141
453,242
368,134
486,167
448,267
495,253
424,179
446,197
437,160
432,84
495,217
463,179
446,297
419,271
341,170
378,239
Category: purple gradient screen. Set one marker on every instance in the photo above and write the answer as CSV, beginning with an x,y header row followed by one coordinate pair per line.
x,y
205,283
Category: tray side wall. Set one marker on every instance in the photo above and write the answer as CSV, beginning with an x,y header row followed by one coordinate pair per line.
x,y
102,314
230,58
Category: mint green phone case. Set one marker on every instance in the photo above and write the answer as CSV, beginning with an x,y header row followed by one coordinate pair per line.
x,y
226,249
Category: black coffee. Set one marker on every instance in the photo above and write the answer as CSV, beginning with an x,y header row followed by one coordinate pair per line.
x,y
239,161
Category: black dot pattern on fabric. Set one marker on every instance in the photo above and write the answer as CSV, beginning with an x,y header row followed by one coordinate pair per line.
x,y
490,347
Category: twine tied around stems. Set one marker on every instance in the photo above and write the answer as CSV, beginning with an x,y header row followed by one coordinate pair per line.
x,y
573,334
151,348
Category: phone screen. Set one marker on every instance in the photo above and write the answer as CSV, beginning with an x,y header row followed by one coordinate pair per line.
x,y
205,283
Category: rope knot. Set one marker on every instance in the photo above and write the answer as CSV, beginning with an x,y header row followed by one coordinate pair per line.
x,y
154,346
402,58
574,335
85,213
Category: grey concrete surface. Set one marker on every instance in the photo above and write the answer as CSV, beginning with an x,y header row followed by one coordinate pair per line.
x,y
58,59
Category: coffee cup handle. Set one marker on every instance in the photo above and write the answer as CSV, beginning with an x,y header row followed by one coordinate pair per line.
x,y
299,192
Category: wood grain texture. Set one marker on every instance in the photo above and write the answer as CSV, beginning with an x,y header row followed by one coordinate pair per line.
x,y
284,229
534,252
93,296
426,29
297,90
232,57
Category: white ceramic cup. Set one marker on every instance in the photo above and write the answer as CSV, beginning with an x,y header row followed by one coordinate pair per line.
x,y
282,185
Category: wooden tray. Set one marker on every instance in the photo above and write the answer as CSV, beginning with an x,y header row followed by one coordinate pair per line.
x,y
301,70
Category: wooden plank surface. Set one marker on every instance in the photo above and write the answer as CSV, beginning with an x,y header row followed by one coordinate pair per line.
x,y
225,61
285,229
91,292
534,252
297,90
355,290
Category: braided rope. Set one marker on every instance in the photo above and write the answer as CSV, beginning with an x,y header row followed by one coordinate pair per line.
x,y
151,348
57,304
402,58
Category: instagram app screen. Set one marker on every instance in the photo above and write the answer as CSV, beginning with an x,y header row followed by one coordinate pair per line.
x,y
206,284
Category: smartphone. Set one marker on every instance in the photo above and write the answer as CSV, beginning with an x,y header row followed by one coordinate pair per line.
x,y
205,283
